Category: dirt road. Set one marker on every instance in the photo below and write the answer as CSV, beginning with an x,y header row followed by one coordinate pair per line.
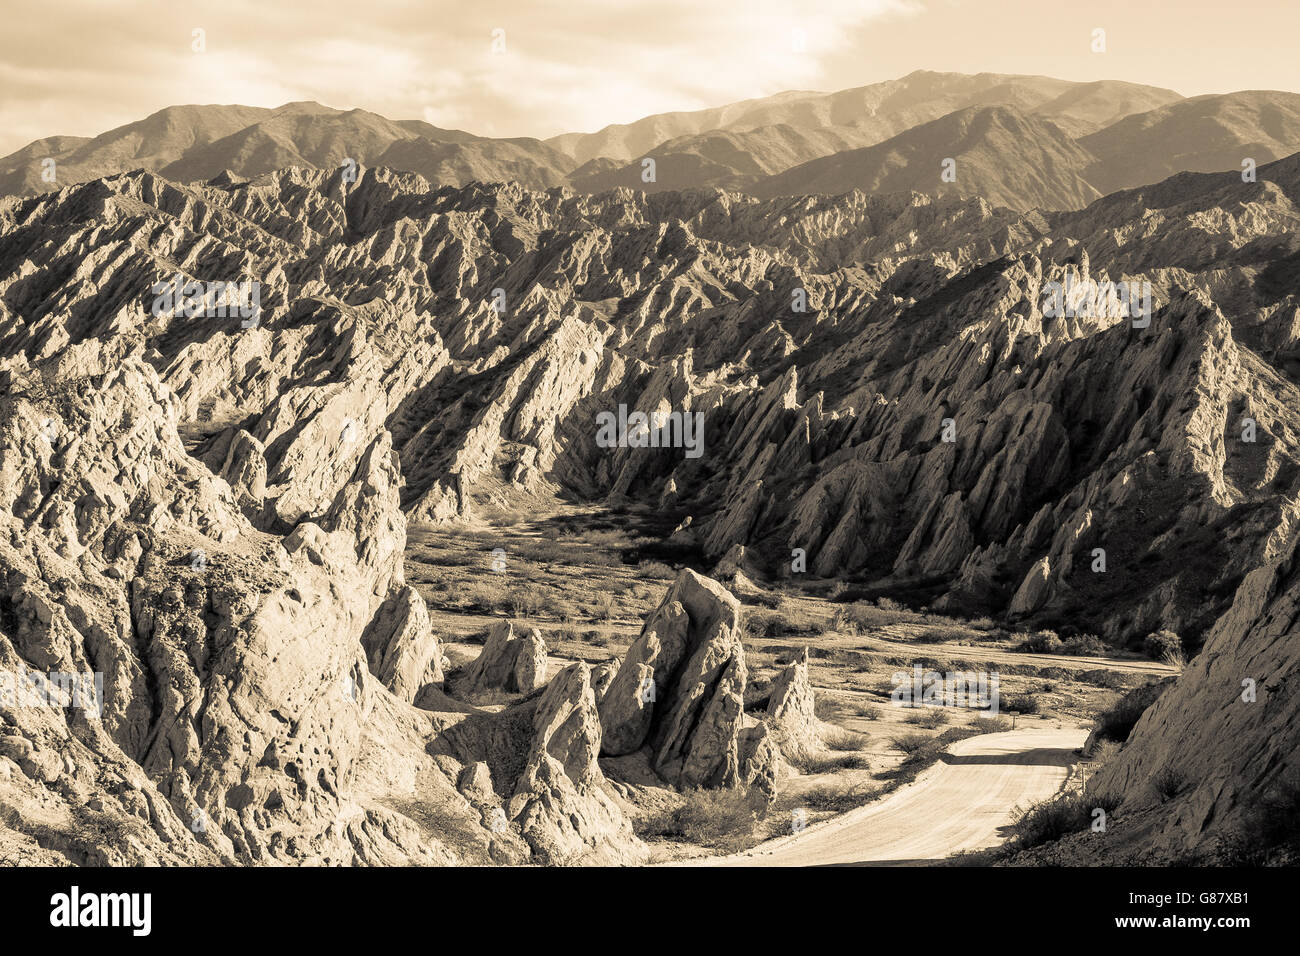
x,y
959,804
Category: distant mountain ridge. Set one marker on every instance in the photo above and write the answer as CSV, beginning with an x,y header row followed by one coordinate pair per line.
x,y
1019,141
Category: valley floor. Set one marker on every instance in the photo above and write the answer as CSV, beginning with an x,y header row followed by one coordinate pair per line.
x,y
893,783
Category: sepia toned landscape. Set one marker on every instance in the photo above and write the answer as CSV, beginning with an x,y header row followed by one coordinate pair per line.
x,y
902,475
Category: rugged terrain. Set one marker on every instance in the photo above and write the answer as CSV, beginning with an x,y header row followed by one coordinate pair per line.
x,y
212,510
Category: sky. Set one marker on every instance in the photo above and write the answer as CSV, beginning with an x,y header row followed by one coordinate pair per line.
x,y
543,67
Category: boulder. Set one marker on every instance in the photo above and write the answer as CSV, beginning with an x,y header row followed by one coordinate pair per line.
x,y
400,645
680,688
509,661
790,709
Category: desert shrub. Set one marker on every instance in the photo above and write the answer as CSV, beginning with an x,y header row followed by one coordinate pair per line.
x,y
757,695
813,763
656,571
1102,677
768,599
911,743
1102,752
556,634
1162,646
1049,820
1043,642
837,738
1083,645
1269,831
928,717
860,615
760,624
714,818
1022,704
941,635
837,797
1117,722
867,711
826,706
523,602
603,607
1167,782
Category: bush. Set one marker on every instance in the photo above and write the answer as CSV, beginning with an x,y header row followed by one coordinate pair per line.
x,y
1167,783
656,571
814,763
603,610
837,798
1022,704
523,602
911,743
1084,645
942,635
555,635
992,725
758,693
1269,832
1044,642
713,818
768,599
837,738
930,718
1162,645
1049,820
1117,722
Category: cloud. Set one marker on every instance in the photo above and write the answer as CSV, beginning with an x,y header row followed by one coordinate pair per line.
x,y
81,66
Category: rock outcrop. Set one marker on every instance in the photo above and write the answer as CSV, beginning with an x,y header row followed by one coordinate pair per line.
x,y
533,768
401,648
791,709
680,690
509,661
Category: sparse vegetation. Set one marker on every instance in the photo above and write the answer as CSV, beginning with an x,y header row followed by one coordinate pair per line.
x,y
823,762
928,717
1117,722
1042,642
911,743
1167,783
1269,831
1022,704
1163,644
1049,820
721,819
837,738
838,797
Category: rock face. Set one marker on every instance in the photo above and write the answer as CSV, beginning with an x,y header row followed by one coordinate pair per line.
x,y
791,708
509,661
401,648
1226,733
931,419
680,690
556,797
208,511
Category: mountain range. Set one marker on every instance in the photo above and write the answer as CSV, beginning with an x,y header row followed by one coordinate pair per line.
x,y
1020,141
